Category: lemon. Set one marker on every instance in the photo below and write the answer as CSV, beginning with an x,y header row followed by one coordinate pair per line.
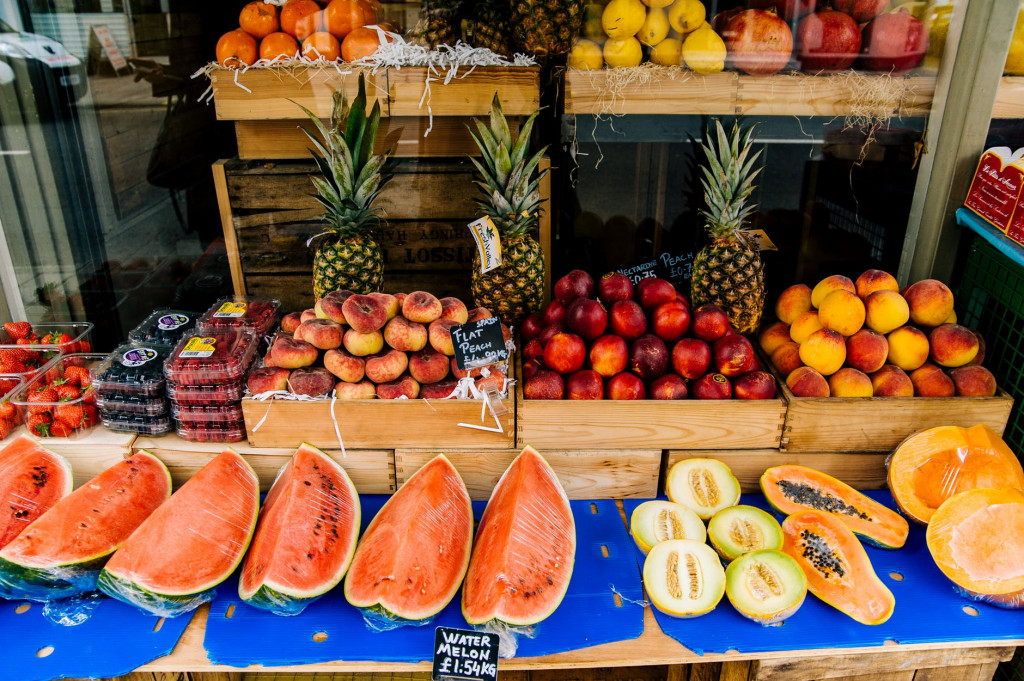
x,y
669,52
1015,57
622,51
686,15
704,51
623,18
655,29
592,28
586,54
658,3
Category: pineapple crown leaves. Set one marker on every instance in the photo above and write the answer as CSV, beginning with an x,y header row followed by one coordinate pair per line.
x,y
352,176
509,180
729,178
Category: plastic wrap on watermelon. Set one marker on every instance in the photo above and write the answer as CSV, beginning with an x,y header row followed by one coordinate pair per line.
x,y
306,535
976,540
174,561
32,480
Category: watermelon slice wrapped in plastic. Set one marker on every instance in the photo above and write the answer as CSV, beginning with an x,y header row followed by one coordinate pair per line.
x,y
32,480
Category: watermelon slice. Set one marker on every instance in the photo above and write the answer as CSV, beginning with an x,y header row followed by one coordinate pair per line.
x,y
62,552
306,535
32,480
191,543
525,547
414,554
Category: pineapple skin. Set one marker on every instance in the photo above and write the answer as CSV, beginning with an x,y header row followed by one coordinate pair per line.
x,y
490,28
728,274
352,263
516,289
546,28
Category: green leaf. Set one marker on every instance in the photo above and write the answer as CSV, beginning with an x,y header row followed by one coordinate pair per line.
x,y
356,119
502,165
490,145
499,125
522,145
369,135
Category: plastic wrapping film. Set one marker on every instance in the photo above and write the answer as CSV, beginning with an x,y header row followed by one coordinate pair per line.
x,y
32,479
174,561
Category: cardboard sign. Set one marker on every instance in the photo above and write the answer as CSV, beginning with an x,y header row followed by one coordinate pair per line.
x,y
997,186
464,654
479,344
110,48
488,243
673,267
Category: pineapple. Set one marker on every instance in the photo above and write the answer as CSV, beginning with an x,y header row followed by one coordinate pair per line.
x,y
351,178
490,27
546,28
510,181
728,272
440,23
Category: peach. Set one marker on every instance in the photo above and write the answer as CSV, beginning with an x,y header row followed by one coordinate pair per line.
x,y
793,302
584,385
952,345
951,319
609,355
804,325
495,381
530,327
453,308
836,282
850,383
886,311
346,367
710,322
786,358
544,385
439,390
391,304
973,381
867,351
404,386
931,302
534,348
565,353
319,310
311,381
333,304
440,332
773,336
322,334
291,321
386,366
908,348
401,334
289,353
931,381
875,280
824,350
400,297
733,355
267,379
365,313
842,311
363,344
627,319
307,315
712,387
754,385
980,357
652,292
891,381
625,386
459,373
530,367
268,361
422,307
429,366
691,358
506,332
363,390
669,387
648,357
806,382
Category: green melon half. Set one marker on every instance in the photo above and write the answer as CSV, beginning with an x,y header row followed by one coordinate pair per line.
x,y
306,535
737,530
191,543
684,578
704,485
656,521
766,586
61,553
32,480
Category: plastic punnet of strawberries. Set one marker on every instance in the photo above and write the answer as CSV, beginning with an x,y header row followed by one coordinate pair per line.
x,y
60,404
24,361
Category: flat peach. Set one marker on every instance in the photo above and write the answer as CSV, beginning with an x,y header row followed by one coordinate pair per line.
x,y
344,365
886,311
406,386
931,381
363,390
891,381
931,302
875,280
322,334
786,358
804,325
401,334
363,344
386,366
836,282
289,353
850,383
824,350
908,348
867,350
428,366
806,382
773,336
953,345
440,333
793,302
455,309
842,311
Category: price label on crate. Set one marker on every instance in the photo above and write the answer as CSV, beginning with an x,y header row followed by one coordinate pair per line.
x,y
464,654
479,344
673,267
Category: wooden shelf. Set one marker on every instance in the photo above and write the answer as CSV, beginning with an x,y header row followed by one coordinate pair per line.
x,y
1009,98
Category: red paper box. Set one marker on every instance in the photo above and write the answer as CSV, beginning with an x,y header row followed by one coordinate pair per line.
x,y
996,190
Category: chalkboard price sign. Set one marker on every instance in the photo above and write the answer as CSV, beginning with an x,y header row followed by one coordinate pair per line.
x,y
673,267
479,344
464,654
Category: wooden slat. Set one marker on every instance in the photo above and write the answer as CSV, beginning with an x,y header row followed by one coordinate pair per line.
x,y
220,183
592,92
884,676
971,672
295,289
653,673
271,90
544,227
896,661
795,94
469,93
1009,98
618,474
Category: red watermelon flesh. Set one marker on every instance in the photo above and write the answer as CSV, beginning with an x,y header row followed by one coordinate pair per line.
x,y
525,547
32,480
306,535
413,556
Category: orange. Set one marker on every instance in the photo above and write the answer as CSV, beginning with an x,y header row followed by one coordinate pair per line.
x,y
236,48
342,16
301,18
321,44
278,45
258,19
361,42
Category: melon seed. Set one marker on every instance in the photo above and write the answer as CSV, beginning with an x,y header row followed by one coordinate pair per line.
x,y
672,576
696,580
668,526
705,490
746,535
762,582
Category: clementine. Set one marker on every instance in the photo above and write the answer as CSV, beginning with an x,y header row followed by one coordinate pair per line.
x,y
361,42
321,44
301,18
259,19
278,45
342,16
236,48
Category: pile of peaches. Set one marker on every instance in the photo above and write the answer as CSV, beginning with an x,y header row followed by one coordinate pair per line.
x,y
866,338
371,346
612,340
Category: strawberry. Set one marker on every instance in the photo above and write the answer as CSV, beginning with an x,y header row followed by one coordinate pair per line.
x,y
31,339
70,414
77,376
91,417
6,426
8,411
84,346
18,330
55,338
43,394
67,392
16,354
39,424
60,429
11,366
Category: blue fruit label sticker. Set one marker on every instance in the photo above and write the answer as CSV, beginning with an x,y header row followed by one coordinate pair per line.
x,y
136,357
170,322
231,309
198,346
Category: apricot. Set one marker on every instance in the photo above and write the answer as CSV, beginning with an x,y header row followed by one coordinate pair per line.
x,y
886,311
842,311
824,350
953,345
931,302
786,358
806,382
891,381
836,282
867,350
973,381
804,325
793,302
908,348
850,383
931,381
875,280
773,336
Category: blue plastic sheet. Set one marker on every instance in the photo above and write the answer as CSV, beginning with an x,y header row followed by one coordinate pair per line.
x,y
928,610
331,629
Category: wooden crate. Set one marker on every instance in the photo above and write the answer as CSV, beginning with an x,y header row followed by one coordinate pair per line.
x,y
1009,97
371,471
592,474
589,92
88,455
272,94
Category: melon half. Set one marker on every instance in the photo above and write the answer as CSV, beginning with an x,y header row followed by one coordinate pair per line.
x,y
32,480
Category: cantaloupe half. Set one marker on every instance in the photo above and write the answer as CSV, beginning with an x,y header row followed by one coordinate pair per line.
x,y
977,540
936,464
653,522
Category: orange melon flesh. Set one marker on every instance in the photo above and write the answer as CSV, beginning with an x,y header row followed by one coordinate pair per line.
x,y
977,539
525,547
32,480
936,464
413,555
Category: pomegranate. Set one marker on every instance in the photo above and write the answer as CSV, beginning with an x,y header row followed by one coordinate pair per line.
x,y
895,41
789,10
827,41
860,10
758,41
